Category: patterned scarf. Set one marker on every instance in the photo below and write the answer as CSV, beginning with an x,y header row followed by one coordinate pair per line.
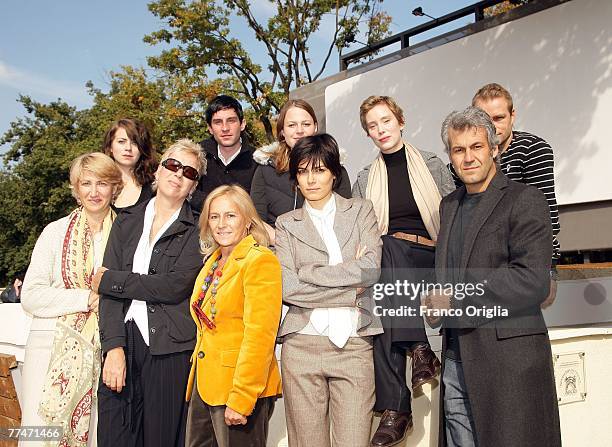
x,y
69,393
424,189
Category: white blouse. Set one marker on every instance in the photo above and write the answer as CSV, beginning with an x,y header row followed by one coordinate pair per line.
x,y
141,261
337,323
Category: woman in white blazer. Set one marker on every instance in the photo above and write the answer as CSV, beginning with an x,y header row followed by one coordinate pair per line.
x,y
62,360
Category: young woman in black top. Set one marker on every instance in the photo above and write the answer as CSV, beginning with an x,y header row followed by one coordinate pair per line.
x,y
405,186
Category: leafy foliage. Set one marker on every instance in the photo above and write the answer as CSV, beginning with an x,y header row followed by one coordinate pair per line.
x,y
504,7
201,33
34,185
33,189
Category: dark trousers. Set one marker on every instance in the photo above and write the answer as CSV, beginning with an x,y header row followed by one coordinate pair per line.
x,y
401,261
206,426
150,410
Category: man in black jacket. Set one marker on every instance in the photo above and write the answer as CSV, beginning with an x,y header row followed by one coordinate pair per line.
x,y
229,156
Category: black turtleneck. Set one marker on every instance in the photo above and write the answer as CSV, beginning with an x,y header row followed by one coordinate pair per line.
x,y
404,214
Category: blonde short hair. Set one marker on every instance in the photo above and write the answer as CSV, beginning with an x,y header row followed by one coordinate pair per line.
x,y
244,203
189,147
100,165
492,91
372,101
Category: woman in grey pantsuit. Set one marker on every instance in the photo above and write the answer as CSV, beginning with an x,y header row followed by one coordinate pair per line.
x,y
330,254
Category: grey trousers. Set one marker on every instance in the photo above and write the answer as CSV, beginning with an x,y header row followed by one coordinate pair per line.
x,y
328,391
459,424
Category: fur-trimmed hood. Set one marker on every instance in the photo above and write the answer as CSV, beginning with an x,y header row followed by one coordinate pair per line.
x,y
265,154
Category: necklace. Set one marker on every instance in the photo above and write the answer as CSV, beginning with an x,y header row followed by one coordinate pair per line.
x,y
212,279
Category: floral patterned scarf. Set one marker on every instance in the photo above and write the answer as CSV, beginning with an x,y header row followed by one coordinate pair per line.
x,y
69,393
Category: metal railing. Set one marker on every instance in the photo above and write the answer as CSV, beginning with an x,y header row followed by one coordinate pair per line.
x,y
477,9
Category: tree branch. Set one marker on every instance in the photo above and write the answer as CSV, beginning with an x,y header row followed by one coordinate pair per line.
x,y
333,42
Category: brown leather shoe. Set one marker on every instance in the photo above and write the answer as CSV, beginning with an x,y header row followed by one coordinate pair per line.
x,y
425,366
393,428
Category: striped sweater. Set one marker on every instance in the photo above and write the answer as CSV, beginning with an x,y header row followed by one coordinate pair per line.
x,y
529,159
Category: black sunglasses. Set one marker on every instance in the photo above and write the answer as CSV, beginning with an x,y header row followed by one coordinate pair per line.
x,y
174,165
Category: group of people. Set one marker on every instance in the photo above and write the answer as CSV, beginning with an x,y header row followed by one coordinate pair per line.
x,y
157,303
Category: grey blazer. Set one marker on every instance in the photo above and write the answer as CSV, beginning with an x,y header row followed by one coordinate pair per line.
x,y
310,282
439,172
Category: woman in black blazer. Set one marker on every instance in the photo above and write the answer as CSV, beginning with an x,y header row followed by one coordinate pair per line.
x,y
147,335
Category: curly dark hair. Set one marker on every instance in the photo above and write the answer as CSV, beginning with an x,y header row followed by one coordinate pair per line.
x,y
144,171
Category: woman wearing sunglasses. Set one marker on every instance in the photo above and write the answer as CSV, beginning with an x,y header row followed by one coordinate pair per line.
x,y
128,142
236,304
146,333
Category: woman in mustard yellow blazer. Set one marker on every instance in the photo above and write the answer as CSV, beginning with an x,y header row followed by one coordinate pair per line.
x,y
236,304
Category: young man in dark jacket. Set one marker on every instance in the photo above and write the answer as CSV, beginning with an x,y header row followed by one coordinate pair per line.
x,y
229,156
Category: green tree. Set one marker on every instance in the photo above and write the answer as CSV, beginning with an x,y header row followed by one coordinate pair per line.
x,y
173,107
202,37
33,186
15,231
169,111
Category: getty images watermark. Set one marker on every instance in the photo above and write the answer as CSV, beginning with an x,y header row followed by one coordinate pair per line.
x,y
390,295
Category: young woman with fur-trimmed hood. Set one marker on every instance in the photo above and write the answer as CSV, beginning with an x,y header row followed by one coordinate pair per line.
x,y
271,189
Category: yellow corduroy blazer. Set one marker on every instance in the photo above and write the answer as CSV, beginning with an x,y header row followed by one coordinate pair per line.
x,y
235,362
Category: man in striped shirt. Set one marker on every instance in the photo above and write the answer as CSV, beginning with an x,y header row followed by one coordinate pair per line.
x,y
524,158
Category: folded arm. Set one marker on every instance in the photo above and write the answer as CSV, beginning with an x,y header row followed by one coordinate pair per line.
x,y
300,293
362,271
